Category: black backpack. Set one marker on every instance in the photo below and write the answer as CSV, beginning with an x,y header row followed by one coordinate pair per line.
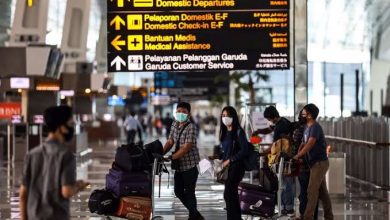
x,y
152,149
131,158
103,202
268,179
251,161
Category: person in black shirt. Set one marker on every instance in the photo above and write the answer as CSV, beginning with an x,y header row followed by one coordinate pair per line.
x,y
168,121
281,127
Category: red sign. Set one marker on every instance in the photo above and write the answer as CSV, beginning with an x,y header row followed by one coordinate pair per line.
x,y
7,109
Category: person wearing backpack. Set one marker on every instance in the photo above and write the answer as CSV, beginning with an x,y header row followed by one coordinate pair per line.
x,y
313,149
185,158
281,127
234,150
49,173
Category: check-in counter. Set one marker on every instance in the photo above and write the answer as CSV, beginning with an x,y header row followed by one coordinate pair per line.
x,y
102,131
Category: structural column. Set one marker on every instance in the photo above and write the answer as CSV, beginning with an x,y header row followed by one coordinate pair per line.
x,y
5,20
300,54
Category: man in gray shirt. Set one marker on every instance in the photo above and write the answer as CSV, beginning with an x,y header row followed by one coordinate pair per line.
x,y
49,174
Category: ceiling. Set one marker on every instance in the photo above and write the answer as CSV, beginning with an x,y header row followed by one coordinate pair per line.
x,y
346,24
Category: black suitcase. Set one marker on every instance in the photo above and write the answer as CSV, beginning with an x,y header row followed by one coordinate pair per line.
x,y
103,202
255,200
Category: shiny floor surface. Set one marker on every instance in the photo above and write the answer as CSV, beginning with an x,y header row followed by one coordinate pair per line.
x,y
361,203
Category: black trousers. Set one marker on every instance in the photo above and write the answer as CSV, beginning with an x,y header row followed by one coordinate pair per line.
x,y
185,183
236,173
131,136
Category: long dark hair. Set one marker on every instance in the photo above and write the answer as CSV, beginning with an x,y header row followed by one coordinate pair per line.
x,y
236,124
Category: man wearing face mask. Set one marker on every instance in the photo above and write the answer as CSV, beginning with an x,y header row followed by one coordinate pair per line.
x,y
49,174
313,149
185,157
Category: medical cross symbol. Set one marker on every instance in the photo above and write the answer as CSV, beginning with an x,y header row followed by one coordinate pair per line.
x,y
135,42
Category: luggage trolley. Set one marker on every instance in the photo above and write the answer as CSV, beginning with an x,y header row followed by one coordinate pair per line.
x,y
158,161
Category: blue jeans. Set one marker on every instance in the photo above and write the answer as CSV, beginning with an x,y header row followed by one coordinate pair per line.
x,y
288,193
304,177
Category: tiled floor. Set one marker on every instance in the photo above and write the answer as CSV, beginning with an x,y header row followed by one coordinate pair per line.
x,y
361,202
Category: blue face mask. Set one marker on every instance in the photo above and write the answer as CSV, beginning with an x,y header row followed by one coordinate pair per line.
x,y
181,117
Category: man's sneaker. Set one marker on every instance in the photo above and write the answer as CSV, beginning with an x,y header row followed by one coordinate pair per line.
x,y
289,213
199,217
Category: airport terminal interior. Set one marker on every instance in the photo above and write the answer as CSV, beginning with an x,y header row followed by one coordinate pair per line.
x,y
119,62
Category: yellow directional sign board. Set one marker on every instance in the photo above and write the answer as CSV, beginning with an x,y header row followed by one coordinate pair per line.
x,y
196,35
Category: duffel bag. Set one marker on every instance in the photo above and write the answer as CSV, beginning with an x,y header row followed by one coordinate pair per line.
x,y
131,158
103,202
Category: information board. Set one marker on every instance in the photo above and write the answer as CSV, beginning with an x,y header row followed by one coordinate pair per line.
x,y
201,35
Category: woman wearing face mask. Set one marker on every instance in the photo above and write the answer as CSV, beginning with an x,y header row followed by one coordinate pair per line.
x,y
234,148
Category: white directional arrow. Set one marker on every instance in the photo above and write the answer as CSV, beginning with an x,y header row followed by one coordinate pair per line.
x,y
118,62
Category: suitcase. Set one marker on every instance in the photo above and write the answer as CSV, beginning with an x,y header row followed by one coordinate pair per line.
x,y
254,200
129,184
135,208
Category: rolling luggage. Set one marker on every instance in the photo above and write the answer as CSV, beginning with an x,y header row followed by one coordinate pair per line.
x,y
254,200
129,184
135,208
131,158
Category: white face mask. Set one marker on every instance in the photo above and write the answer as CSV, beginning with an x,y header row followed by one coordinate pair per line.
x,y
227,121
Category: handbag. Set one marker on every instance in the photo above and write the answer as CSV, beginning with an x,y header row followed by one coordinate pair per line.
x,y
223,175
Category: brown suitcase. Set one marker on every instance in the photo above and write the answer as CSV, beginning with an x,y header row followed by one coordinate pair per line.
x,y
135,208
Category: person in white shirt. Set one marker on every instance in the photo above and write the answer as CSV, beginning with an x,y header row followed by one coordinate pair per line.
x,y
132,126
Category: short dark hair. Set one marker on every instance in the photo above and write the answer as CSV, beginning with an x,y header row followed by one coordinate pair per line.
x,y
271,112
56,116
185,105
312,109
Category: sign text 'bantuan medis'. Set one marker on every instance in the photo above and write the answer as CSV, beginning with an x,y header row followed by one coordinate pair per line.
x,y
188,35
